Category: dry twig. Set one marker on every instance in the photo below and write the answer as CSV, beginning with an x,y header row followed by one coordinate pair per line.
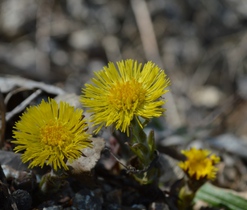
x,y
23,104
151,50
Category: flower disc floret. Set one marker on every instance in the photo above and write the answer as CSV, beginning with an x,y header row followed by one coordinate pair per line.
x,y
200,164
51,134
118,94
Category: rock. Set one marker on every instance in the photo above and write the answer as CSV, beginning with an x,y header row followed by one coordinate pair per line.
x,y
86,199
22,199
15,13
83,39
208,96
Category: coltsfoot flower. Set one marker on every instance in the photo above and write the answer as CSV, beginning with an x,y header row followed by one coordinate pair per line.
x,y
200,164
51,134
117,95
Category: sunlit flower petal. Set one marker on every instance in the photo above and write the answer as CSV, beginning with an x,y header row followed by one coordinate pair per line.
x,y
200,164
117,95
51,134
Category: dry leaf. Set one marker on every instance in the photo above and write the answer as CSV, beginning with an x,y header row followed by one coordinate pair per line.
x,y
8,83
71,98
84,165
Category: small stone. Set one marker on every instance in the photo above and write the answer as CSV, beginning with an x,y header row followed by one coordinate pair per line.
x,y
22,199
60,58
86,199
208,96
113,206
53,208
82,40
139,206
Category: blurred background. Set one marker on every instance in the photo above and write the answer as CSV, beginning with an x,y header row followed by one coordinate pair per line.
x,y
202,46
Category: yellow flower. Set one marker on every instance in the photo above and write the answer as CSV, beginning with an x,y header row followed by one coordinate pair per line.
x,y
51,134
200,164
117,95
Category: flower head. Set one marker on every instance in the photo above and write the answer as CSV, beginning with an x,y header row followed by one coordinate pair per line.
x,y
200,164
51,134
117,95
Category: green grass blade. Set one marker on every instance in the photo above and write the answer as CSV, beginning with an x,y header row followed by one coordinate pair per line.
x,y
219,197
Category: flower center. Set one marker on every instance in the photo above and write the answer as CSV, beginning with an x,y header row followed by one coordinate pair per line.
x,y
199,165
54,134
127,96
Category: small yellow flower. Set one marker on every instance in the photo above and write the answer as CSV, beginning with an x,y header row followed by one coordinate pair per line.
x,y
200,164
117,95
51,134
